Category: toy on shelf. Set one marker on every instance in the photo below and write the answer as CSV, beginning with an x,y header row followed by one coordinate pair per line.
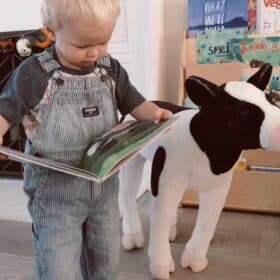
x,y
7,46
15,46
39,38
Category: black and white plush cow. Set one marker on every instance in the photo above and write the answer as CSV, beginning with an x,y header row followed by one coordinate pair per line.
x,y
200,152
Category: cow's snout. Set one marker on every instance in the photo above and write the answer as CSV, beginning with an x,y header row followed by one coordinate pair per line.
x,y
274,141
270,129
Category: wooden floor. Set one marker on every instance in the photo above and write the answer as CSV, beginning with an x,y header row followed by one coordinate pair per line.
x,y
245,247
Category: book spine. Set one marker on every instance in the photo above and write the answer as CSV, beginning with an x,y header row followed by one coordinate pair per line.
x,y
267,11
252,16
216,15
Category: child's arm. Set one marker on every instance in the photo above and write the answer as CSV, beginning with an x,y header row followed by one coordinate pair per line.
x,y
150,111
4,126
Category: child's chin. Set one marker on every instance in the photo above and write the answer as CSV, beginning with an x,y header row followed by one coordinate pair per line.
x,y
88,63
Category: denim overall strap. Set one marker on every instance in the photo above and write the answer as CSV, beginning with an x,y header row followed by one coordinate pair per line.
x,y
46,60
75,221
104,61
104,66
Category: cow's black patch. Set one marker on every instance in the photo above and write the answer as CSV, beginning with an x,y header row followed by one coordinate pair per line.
x,y
157,167
225,128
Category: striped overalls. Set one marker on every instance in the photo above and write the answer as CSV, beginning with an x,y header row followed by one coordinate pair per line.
x,y
75,221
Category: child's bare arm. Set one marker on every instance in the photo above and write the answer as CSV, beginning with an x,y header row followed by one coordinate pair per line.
x,y
4,126
150,111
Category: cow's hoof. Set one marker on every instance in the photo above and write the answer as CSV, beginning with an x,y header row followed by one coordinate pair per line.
x,y
173,233
132,241
162,272
195,264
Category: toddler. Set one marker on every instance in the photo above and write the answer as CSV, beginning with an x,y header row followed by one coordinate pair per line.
x,y
66,96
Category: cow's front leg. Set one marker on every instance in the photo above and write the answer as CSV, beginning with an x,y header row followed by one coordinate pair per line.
x,y
131,178
163,208
177,195
211,202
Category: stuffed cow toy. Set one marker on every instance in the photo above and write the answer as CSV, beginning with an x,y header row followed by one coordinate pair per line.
x,y
199,152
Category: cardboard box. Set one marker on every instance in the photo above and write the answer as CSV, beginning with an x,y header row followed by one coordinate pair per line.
x,y
249,191
262,158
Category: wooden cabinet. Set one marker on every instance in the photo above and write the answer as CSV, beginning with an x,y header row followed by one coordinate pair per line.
x,y
250,190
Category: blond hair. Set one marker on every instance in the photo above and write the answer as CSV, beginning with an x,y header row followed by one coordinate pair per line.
x,y
56,12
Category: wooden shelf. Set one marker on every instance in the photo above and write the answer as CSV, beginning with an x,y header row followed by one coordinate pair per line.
x,y
250,191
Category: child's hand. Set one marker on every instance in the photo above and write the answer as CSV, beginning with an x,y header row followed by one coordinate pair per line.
x,y
151,112
2,157
4,126
162,114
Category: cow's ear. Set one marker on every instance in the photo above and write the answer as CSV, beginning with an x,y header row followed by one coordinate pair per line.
x,y
201,91
262,77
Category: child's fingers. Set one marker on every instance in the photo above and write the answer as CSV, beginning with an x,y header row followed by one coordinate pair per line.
x,y
3,157
167,114
158,116
162,115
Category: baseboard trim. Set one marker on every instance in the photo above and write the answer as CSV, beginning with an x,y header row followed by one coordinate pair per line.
x,y
13,201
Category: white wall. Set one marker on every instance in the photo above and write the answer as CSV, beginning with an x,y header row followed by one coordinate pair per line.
x,y
174,27
20,15
158,47
144,31
13,201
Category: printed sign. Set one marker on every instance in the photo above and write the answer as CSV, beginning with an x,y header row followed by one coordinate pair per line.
x,y
255,51
214,47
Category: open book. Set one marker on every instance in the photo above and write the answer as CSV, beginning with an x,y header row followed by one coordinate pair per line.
x,y
107,153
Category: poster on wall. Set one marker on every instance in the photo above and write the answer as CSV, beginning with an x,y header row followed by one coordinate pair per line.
x,y
214,47
268,16
256,51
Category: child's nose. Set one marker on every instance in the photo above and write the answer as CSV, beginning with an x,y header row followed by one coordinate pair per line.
x,y
93,52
